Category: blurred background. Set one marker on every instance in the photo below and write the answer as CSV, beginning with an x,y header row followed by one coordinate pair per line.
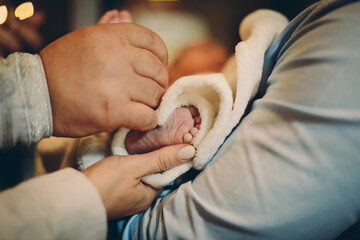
x,y
178,22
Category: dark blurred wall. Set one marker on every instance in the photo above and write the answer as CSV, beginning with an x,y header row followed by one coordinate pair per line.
x,y
224,16
57,16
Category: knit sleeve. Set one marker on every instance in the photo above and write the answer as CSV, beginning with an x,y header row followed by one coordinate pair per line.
x,y
25,108
61,205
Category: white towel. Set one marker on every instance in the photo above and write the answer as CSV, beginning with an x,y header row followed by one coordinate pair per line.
x,y
212,94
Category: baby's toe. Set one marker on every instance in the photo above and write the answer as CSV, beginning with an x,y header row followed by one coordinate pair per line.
x,y
187,138
194,131
197,119
194,111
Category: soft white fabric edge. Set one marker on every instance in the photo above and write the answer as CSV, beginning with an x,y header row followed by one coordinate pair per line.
x,y
258,30
177,96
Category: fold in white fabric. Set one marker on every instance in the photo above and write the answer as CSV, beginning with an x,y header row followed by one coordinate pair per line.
x,y
221,98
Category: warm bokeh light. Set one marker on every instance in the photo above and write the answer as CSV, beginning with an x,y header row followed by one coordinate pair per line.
x,y
3,14
163,0
24,10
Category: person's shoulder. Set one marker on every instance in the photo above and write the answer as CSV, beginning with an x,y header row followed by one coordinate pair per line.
x,y
325,8
335,18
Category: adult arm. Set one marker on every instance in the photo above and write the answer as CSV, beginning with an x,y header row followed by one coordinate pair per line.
x,y
49,206
60,205
73,205
291,169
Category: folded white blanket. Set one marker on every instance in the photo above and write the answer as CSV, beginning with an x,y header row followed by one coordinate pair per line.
x,y
220,98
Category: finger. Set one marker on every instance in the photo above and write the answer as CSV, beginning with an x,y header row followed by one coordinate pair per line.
x,y
138,117
146,64
9,41
125,16
142,37
162,159
110,17
147,92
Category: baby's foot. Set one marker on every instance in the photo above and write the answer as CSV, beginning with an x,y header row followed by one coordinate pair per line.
x,y
181,127
115,16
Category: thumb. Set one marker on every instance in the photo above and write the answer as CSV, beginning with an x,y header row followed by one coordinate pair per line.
x,y
163,159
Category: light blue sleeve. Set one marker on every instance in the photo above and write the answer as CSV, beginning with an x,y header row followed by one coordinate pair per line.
x,y
291,168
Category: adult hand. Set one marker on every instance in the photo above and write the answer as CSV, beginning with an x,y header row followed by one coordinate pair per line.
x,y
105,76
118,178
22,35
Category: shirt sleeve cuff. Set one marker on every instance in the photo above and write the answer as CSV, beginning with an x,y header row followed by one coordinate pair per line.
x,y
32,81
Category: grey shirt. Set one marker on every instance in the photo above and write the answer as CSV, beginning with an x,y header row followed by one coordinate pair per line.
x,y
291,169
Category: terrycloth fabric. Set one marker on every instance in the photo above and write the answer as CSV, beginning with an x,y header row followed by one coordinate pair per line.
x,y
212,94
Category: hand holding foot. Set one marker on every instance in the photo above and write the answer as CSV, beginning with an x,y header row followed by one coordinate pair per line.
x,y
88,98
118,178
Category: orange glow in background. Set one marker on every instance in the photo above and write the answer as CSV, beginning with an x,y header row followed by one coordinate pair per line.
x,y
23,11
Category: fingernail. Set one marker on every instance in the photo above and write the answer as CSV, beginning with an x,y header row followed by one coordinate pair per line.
x,y
187,152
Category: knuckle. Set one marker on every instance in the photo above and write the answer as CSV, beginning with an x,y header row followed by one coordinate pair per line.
x,y
151,60
122,41
163,77
160,47
163,53
159,70
158,67
157,95
148,122
153,38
